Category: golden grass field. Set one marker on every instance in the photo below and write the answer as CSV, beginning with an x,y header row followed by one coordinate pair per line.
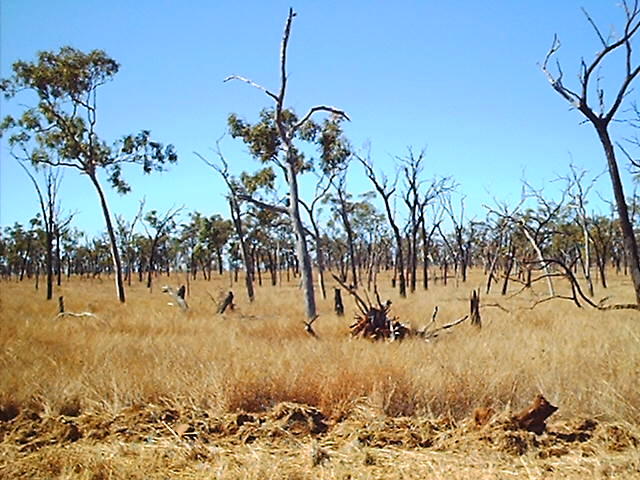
x,y
147,392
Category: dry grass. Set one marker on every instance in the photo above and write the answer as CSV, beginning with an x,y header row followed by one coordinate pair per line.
x,y
148,355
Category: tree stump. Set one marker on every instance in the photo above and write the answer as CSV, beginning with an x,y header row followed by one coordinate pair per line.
x,y
533,419
227,303
474,309
338,306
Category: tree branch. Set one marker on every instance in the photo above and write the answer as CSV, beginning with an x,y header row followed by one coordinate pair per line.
x,y
253,84
321,108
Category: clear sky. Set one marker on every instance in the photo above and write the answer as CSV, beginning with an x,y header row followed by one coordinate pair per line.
x,y
459,78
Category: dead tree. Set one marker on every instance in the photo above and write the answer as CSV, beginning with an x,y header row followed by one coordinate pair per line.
x,y
412,169
375,323
461,250
344,210
511,255
577,295
417,200
385,191
535,226
49,207
125,233
578,193
602,116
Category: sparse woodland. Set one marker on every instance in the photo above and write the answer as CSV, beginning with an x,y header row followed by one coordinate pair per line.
x,y
313,333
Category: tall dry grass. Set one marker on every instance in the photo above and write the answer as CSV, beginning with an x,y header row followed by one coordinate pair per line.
x,y
585,361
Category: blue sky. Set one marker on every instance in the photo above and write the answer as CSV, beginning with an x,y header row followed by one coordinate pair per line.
x,y
459,78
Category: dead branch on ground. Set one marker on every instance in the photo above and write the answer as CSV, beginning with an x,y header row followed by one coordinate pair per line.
x,y
178,297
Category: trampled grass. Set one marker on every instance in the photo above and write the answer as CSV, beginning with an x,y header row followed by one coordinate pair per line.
x,y
148,354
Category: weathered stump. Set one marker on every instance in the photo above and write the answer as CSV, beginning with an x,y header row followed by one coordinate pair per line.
x,y
227,303
474,309
338,306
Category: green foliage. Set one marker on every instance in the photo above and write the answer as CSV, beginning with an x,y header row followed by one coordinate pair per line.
x,y
263,178
265,142
67,74
334,148
61,129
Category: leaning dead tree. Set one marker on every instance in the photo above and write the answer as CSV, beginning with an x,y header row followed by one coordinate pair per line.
x,y
601,116
288,127
577,296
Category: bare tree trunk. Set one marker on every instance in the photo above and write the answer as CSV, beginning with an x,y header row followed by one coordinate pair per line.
x,y
235,216
304,260
115,255
58,259
586,264
628,235
49,261
511,252
601,118
323,289
219,257
540,256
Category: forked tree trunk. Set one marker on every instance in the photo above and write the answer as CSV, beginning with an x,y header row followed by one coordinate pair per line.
x,y
115,255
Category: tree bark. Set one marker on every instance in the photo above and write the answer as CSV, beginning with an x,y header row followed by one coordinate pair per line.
x,y
115,255
235,216
301,244
628,236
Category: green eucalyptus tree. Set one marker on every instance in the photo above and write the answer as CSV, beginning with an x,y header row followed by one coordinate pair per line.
x,y
273,139
60,130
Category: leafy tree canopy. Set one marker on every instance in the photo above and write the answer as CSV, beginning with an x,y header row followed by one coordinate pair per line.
x,y
265,143
60,129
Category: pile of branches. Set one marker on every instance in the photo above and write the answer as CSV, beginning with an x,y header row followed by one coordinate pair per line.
x,y
374,321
